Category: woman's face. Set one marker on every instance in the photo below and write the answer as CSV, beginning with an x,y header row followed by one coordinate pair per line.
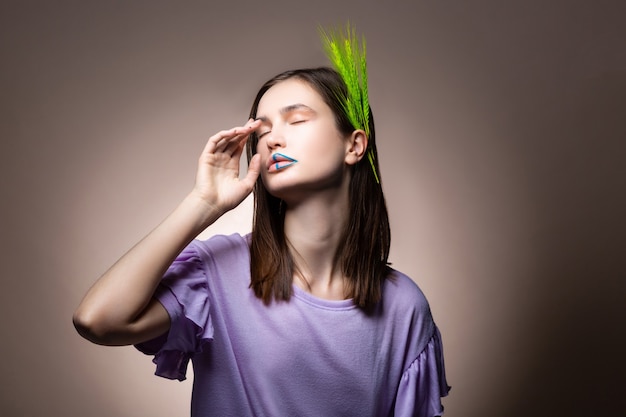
x,y
301,149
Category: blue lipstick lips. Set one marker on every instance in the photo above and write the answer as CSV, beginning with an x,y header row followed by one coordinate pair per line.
x,y
282,161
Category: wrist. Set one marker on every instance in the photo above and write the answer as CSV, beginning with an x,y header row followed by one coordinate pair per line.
x,y
199,209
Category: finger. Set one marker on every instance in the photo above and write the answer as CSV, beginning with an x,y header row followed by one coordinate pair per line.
x,y
254,169
232,137
235,143
214,141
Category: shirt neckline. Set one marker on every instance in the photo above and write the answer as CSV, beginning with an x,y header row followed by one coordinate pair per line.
x,y
323,303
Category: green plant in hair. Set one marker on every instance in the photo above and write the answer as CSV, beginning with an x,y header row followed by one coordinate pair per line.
x,y
349,60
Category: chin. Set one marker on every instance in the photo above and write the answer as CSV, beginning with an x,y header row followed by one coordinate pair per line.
x,y
283,191
291,183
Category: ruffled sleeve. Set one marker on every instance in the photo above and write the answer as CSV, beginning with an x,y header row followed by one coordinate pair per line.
x,y
423,383
184,293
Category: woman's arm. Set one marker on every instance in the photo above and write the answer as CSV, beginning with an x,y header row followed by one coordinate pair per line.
x,y
119,309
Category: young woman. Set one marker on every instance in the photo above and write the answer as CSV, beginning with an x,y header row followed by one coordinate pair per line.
x,y
304,316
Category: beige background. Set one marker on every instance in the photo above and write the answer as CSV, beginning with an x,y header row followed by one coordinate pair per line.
x,y
501,128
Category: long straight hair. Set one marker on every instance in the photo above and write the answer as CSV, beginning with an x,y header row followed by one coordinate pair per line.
x,y
363,251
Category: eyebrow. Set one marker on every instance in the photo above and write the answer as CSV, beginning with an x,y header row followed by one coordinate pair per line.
x,y
288,109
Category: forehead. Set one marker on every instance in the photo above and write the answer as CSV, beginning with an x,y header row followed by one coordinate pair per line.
x,y
287,93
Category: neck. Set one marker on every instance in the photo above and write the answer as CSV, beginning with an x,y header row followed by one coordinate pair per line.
x,y
314,229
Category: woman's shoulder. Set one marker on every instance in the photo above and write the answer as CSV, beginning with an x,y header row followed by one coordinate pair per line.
x,y
403,292
405,305
233,245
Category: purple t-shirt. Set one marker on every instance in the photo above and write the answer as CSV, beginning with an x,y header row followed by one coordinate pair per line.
x,y
305,357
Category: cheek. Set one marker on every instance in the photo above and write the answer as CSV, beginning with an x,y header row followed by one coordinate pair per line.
x,y
326,140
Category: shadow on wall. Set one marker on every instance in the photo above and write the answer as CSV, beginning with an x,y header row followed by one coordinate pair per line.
x,y
578,366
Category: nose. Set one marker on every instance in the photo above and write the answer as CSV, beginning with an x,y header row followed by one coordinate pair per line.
x,y
275,139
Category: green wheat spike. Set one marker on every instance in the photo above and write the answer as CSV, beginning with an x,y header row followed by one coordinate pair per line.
x,y
349,60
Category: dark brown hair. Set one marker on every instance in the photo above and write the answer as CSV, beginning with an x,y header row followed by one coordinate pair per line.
x,y
364,248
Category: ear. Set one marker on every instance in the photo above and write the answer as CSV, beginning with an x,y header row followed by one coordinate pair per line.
x,y
356,146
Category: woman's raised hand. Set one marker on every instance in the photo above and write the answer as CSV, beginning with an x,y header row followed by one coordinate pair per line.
x,y
119,308
217,179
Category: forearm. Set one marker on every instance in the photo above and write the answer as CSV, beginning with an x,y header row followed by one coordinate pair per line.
x,y
116,303
119,308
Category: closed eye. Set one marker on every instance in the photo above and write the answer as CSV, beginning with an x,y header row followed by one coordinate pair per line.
x,y
260,135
